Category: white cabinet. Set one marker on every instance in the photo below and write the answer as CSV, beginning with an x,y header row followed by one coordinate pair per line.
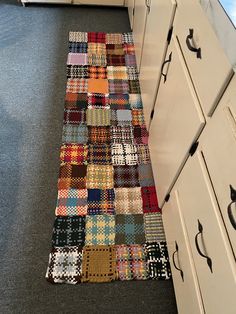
x,y
177,122
130,4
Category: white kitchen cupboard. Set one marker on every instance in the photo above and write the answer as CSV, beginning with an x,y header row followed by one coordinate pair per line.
x,y
89,2
176,123
158,25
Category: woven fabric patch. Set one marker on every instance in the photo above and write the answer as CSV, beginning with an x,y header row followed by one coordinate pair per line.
x,y
124,154
72,176
150,202
130,60
65,265
98,86
135,101
158,260
138,117
76,71
126,176
129,49
127,38
101,202
146,175
100,177
77,85
78,36
99,154
97,72
74,116
75,134
134,87
98,101
119,101
116,60
72,202
143,154
131,262
96,48
114,38
99,263
117,73
78,101
77,59
98,37
129,229
114,49
128,201
124,117
98,117
74,154
69,231
154,230
99,134
122,134
78,47
140,135
97,60
118,87
100,230
132,73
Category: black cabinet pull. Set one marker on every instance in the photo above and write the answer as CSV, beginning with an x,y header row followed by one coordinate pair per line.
x,y
232,206
163,64
173,259
200,230
189,39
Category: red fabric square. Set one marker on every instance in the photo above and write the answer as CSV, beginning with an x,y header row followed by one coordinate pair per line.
x,y
96,37
74,116
150,202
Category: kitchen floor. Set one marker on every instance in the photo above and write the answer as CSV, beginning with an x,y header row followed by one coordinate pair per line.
x,y
33,51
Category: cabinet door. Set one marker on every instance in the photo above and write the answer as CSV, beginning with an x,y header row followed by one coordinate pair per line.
x,y
212,254
188,296
140,14
130,5
177,122
159,21
218,143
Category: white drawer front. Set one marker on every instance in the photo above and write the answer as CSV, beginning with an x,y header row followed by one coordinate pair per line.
x,y
211,70
198,206
188,296
176,123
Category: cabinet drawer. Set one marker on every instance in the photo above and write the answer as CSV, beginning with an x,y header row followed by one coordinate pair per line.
x,y
177,122
218,143
187,291
210,70
210,244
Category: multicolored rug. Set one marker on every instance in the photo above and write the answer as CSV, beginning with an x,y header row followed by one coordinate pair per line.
x,y
108,225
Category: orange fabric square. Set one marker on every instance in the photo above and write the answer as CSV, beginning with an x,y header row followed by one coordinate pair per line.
x,y
99,86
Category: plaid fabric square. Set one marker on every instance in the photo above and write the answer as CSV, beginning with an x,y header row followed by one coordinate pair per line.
x,y
117,73
130,60
99,263
132,73
124,117
115,49
69,231
126,176
99,154
122,134
74,153
154,230
124,154
97,60
77,85
145,175
143,154
99,86
72,202
150,202
77,59
129,49
119,101
129,229
75,134
114,120
96,48
140,135
131,262
114,38
97,72
127,38
78,47
101,202
100,230
135,101
98,37
118,87
128,201
78,101
99,135
78,36
158,260
77,71
134,87
98,117
116,60
72,176
74,116
98,101
100,177
65,265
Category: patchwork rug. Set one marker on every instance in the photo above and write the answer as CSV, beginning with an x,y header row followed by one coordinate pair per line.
x,y
108,225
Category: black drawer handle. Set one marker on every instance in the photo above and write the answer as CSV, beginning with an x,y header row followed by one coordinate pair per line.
x,y
173,259
189,44
200,230
163,64
232,206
